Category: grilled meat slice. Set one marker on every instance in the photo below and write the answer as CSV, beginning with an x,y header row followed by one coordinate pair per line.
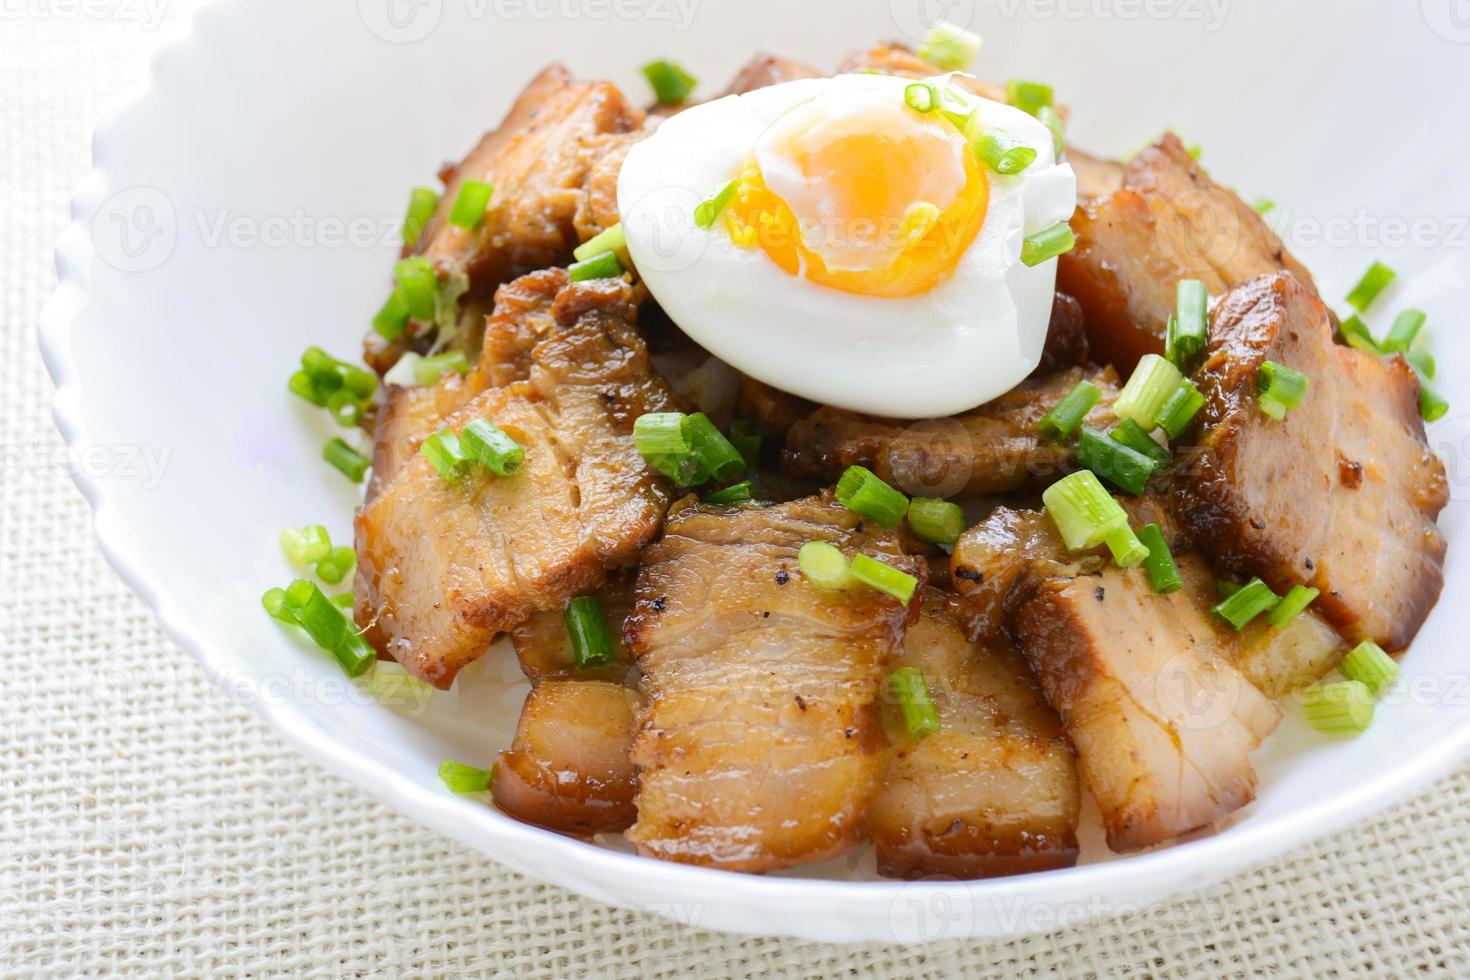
x,y
991,449
768,69
1168,221
410,415
545,650
761,743
568,768
1342,494
445,566
994,792
776,411
597,209
1066,338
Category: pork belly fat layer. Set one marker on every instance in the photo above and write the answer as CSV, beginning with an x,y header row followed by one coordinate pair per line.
x,y
1341,495
761,743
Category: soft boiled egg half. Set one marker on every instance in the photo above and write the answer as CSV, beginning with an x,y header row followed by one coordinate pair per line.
x,y
863,256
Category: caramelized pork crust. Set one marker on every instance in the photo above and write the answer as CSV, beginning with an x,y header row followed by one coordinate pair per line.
x,y
995,791
1341,495
761,744
768,69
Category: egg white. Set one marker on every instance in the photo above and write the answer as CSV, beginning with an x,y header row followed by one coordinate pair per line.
x,y
971,338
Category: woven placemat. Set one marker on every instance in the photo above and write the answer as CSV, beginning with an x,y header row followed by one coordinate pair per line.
x,y
149,825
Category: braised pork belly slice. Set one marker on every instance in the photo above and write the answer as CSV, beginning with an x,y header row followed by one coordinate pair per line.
x,y
991,449
994,792
1166,222
761,744
445,566
765,70
1342,494
544,648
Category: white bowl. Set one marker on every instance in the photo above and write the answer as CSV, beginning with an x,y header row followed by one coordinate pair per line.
x,y
246,205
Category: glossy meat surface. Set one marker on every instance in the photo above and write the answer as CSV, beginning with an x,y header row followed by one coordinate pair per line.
x,y
768,69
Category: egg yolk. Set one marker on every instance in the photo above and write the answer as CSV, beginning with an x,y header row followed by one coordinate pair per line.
x,y
874,199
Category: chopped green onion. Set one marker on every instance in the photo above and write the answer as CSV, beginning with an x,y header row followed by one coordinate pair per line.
x,y
1189,326
921,97
737,493
1432,405
883,577
306,546
1195,151
1180,409
393,316
1046,245
1246,603
422,203
717,457
859,489
604,266
348,461
957,107
1263,205
1148,389
909,688
1132,435
443,450
1280,389
344,601
949,47
936,521
824,566
1003,153
428,370
389,684
1123,467
1406,327
1341,708
461,778
1028,96
1421,361
345,407
305,386
747,437
274,601
1224,588
1163,574
494,450
671,83
1052,120
327,626
707,211
1374,281
1067,414
592,642
1370,666
661,432
612,240
336,566
1357,336
470,204
1292,605
1086,516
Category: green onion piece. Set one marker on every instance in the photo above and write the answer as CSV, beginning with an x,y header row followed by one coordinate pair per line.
x,y
446,454
348,461
1224,588
1280,389
344,601
1195,151
1052,120
461,778
956,106
1374,281
328,627
1002,153
921,97
1367,664
306,546
908,687
936,521
1292,605
1355,334
1082,510
1422,361
1127,550
358,381
1067,414
1432,405
1189,327
393,316
949,47
1163,574
717,457
1132,435
274,601
422,203
1028,96
492,448
1180,409
1246,603
1113,461
345,407
1046,245
883,577
428,370
661,432
1406,327
305,386
824,566
737,493
470,204
1341,708
671,84
1263,205
747,437
336,566
592,642
707,211
1147,391
612,240
859,489
604,266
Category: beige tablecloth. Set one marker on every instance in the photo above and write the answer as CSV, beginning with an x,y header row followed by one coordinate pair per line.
x,y
149,825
